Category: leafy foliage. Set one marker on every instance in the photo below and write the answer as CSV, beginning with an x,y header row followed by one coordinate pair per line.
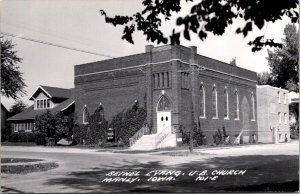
x,y
264,78
127,123
12,83
5,133
17,107
284,62
197,135
54,125
22,137
93,133
205,17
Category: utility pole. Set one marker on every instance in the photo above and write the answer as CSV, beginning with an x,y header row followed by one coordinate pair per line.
x,y
191,72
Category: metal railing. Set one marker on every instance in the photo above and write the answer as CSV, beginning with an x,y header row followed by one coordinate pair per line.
x,y
143,131
162,135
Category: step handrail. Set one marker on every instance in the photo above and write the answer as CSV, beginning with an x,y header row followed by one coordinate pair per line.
x,y
143,131
162,135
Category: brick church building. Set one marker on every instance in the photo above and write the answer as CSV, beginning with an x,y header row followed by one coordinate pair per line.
x,y
177,86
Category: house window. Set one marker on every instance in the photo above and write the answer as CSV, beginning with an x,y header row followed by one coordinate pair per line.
x,y
226,111
85,115
42,103
161,80
284,98
278,94
236,105
14,126
285,118
202,102
215,103
252,107
279,117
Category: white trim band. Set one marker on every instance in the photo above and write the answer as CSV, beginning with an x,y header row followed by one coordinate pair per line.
x,y
137,66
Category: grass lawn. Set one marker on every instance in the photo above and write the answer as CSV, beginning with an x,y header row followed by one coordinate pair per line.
x,y
18,160
24,167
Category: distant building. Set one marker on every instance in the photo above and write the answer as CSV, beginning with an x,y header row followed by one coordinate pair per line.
x,y
4,115
177,86
273,114
45,98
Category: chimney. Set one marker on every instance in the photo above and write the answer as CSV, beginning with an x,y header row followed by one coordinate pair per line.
x,y
193,50
149,48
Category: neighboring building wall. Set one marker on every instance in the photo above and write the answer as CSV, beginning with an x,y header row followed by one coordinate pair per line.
x,y
273,114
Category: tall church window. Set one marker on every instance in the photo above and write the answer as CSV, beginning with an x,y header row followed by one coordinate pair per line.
x,y
85,115
252,107
236,105
202,101
99,114
226,108
215,103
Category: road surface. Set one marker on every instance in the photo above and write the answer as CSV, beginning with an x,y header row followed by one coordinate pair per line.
x,y
250,168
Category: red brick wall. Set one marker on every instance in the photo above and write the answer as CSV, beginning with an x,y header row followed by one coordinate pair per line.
x,y
119,89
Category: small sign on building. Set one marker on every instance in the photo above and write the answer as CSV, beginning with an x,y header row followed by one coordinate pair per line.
x,y
110,135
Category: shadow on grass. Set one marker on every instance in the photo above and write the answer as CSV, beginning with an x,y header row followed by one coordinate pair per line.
x,y
273,173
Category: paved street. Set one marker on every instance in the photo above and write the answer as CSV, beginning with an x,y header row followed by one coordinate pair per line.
x,y
266,168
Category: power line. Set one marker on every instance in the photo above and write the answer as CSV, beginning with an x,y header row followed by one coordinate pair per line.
x,y
55,45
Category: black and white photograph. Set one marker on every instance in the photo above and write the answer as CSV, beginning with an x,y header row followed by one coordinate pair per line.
x,y
149,96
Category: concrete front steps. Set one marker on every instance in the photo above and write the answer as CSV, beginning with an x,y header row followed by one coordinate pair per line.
x,y
146,142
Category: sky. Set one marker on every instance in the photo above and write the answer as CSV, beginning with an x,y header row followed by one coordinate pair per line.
x,y
79,24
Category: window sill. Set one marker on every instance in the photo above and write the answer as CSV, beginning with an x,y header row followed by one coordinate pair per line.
x,y
85,123
202,117
253,120
237,119
226,118
215,118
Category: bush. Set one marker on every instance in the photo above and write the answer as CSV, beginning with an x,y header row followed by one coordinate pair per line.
x,y
127,123
22,137
93,133
294,131
5,133
218,137
55,126
40,139
79,132
198,137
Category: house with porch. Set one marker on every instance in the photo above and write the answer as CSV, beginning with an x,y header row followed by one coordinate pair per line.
x,y
44,98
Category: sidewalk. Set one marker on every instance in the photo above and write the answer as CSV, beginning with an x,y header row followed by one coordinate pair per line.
x,y
127,150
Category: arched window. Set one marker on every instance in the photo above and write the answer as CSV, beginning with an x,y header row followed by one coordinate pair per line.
x,y
85,115
226,108
215,103
164,104
252,107
202,101
99,114
236,106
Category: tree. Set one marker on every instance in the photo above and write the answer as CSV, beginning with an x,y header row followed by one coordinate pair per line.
x,y
17,107
264,78
283,62
205,17
12,83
